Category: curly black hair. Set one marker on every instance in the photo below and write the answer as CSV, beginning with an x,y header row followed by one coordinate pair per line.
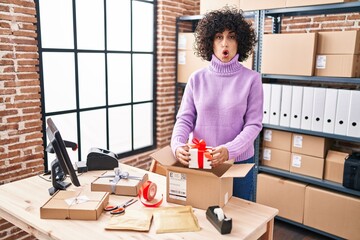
x,y
218,21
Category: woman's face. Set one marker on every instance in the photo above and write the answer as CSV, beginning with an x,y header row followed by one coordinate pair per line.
x,y
225,46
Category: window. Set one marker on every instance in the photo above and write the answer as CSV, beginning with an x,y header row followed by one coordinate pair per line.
x,y
97,71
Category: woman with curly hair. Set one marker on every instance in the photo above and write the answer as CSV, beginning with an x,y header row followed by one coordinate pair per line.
x,y
223,102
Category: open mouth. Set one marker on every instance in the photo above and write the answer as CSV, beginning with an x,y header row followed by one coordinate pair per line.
x,y
225,53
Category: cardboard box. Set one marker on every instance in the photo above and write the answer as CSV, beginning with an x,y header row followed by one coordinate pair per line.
x,y
310,145
297,3
307,165
276,158
199,188
187,64
249,62
286,195
249,5
75,205
126,187
209,5
339,42
334,166
289,53
277,139
333,213
337,65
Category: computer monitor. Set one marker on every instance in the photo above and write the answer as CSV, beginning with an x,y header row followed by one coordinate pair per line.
x,y
62,164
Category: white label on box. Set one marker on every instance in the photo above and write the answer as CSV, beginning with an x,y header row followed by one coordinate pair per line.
x,y
177,186
182,42
226,197
298,141
268,135
296,161
320,62
182,57
267,154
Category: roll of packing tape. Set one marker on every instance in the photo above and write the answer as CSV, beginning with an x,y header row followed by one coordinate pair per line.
x,y
147,194
149,190
219,213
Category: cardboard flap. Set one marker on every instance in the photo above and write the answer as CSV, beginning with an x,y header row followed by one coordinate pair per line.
x,y
164,156
238,170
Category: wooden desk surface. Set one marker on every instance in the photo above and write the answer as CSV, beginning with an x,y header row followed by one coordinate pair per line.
x,y
20,204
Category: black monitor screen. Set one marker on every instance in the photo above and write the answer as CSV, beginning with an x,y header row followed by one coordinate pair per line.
x,y
61,152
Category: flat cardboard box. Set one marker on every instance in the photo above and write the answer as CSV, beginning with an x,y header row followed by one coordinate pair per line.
x,y
209,5
286,195
334,166
339,42
331,212
310,145
199,188
75,205
289,53
276,158
188,63
337,65
307,165
249,62
277,139
249,5
298,3
126,187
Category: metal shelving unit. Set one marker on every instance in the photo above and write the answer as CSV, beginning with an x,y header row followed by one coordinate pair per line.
x,y
277,15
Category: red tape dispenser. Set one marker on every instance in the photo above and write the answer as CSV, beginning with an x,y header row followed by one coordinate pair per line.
x,y
147,195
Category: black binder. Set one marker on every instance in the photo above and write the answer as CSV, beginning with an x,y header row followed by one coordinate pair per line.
x,y
351,177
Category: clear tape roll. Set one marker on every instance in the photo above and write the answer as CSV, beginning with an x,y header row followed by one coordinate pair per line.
x,y
219,213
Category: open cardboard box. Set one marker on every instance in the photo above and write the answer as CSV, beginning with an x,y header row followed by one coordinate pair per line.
x,y
199,188
127,187
78,205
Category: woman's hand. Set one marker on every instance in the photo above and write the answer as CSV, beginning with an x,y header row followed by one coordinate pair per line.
x,y
182,155
219,154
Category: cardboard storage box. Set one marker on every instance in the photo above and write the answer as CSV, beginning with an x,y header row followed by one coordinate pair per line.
x,y
277,139
276,158
75,205
332,212
334,166
339,42
187,64
127,187
289,53
337,65
307,165
199,188
310,145
209,5
249,62
249,5
296,3
286,195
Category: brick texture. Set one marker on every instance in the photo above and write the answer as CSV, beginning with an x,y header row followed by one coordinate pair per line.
x,y
21,146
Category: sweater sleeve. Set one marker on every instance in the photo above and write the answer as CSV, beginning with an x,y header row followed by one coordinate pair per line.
x,y
252,121
185,119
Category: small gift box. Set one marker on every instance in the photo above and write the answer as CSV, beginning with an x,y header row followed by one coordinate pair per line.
x,y
200,155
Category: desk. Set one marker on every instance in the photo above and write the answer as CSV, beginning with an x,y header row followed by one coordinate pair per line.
x,y
20,204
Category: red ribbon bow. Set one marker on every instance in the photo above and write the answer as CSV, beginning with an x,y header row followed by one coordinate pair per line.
x,y
202,150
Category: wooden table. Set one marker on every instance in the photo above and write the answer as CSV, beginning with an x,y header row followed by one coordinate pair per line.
x,y
20,204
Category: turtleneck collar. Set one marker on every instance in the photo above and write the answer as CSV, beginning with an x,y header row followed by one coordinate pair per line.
x,y
218,66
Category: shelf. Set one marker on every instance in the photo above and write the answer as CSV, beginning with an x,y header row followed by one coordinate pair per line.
x,y
313,133
315,10
314,78
314,181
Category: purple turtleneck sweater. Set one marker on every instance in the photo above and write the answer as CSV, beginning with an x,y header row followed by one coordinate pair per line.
x,y
222,104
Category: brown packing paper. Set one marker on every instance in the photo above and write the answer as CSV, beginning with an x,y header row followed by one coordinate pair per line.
x,y
175,219
135,220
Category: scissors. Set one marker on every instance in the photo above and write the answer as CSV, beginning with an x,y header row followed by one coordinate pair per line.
x,y
119,209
